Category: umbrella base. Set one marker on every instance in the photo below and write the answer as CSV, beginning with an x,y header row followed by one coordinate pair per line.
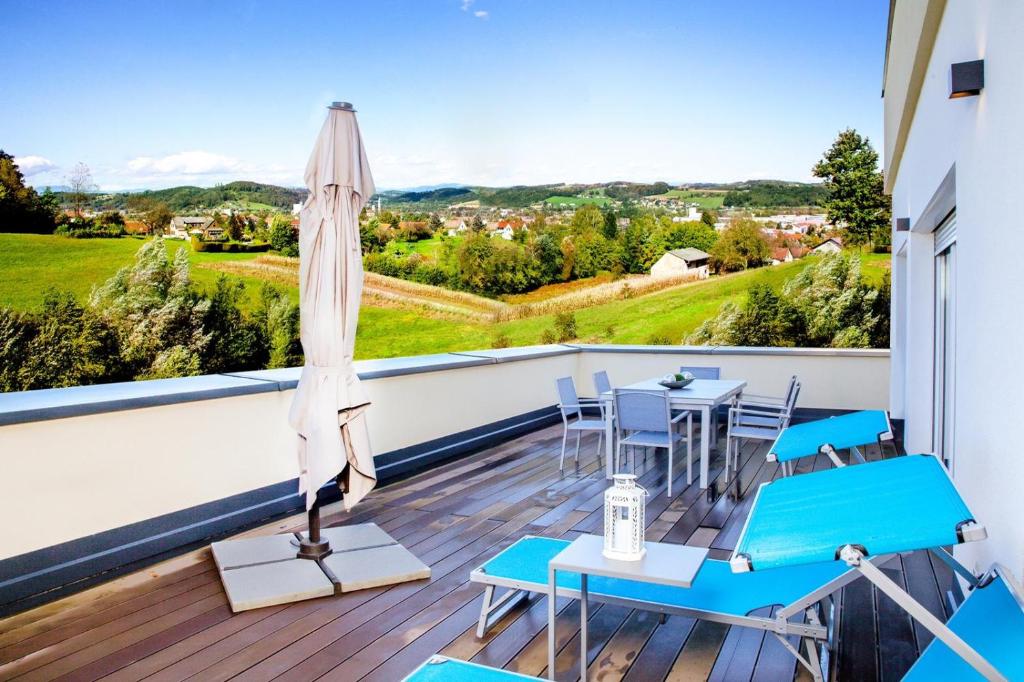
x,y
264,571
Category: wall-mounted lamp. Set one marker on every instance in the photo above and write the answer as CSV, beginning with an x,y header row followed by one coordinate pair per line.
x,y
903,224
966,79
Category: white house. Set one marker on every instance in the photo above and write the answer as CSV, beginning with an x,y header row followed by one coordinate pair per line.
x,y
680,262
455,226
505,232
831,245
692,213
183,227
954,160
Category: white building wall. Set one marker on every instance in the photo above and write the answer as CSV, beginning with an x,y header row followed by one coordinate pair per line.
x,y
982,139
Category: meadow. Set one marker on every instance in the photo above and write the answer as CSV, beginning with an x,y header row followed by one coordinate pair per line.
x,y
404,318
704,199
570,202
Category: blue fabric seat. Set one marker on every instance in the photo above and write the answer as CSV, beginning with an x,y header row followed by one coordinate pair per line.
x,y
893,505
839,433
991,621
716,588
444,669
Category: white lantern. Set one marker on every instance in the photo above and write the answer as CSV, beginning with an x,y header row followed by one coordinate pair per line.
x,y
624,507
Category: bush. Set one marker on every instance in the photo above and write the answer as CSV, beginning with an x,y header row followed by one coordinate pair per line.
x,y
548,336
502,340
201,246
283,237
565,326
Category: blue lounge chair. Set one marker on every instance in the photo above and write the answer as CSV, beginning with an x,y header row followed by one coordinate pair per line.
x,y
874,510
717,594
991,620
443,669
826,436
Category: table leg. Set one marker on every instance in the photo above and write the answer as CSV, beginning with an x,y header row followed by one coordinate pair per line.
x,y
584,608
705,445
609,443
552,591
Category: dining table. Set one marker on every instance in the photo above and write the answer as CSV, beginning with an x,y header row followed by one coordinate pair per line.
x,y
700,396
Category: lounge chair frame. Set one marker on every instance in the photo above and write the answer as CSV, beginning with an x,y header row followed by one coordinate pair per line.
x,y
815,634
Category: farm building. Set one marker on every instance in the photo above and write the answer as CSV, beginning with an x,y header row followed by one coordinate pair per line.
x,y
832,245
680,262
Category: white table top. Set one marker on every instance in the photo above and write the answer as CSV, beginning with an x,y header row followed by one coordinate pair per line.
x,y
700,391
664,563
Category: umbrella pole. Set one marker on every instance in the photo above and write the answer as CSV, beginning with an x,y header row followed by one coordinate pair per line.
x,y
314,547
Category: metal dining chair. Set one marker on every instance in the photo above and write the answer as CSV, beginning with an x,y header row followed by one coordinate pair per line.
x,y
601,383
644,418
571,407
751,421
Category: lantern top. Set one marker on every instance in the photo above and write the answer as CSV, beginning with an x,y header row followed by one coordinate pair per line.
x,y
624,480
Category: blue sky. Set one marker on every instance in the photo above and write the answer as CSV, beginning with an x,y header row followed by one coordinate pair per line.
x,y
494,92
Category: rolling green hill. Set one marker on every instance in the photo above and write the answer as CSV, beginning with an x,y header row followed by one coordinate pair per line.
x,y
242,195
33,263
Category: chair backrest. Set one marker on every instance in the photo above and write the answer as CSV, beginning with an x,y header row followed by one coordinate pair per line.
x,y
642,411
601,382
703,372
793,381
568,401
794,392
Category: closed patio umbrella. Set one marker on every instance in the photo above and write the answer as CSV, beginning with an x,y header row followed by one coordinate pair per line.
x,y
329,407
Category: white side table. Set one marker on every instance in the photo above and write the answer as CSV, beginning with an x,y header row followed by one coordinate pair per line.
x,y
663,564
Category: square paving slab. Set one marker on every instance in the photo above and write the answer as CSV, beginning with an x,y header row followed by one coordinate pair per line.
x,y
279,582
362,569
264,571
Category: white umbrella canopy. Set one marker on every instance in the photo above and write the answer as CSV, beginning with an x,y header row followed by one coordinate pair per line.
x,y
329,407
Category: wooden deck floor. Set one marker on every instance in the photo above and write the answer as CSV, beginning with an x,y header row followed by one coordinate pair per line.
x,y
172,622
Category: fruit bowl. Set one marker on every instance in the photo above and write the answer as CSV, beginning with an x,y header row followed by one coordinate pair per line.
x,y
676,384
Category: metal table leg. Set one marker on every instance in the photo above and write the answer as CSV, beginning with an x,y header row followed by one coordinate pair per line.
x,y
552,593
705,445
584,608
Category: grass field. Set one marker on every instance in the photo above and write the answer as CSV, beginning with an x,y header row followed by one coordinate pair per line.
x,y
563,201
710,200
400,321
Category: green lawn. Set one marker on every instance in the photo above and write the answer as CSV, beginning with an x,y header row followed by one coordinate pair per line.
x,y
563,201
425,247
703,199
32,263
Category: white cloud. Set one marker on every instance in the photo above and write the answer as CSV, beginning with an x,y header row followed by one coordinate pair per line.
x,y
466,4
185,163
33,165
481,14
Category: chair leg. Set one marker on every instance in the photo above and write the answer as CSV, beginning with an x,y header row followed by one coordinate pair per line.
x,y
577,457
670,452
561,458
600,441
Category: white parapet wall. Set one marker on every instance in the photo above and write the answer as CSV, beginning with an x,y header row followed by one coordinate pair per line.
x,y
81,462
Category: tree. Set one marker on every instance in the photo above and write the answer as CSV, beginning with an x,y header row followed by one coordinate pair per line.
x,y
21,208
478,224
856,199
80,184
611,225
283,238
236,226
587,219
155,313
154,214
739,246
709,218
435,223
